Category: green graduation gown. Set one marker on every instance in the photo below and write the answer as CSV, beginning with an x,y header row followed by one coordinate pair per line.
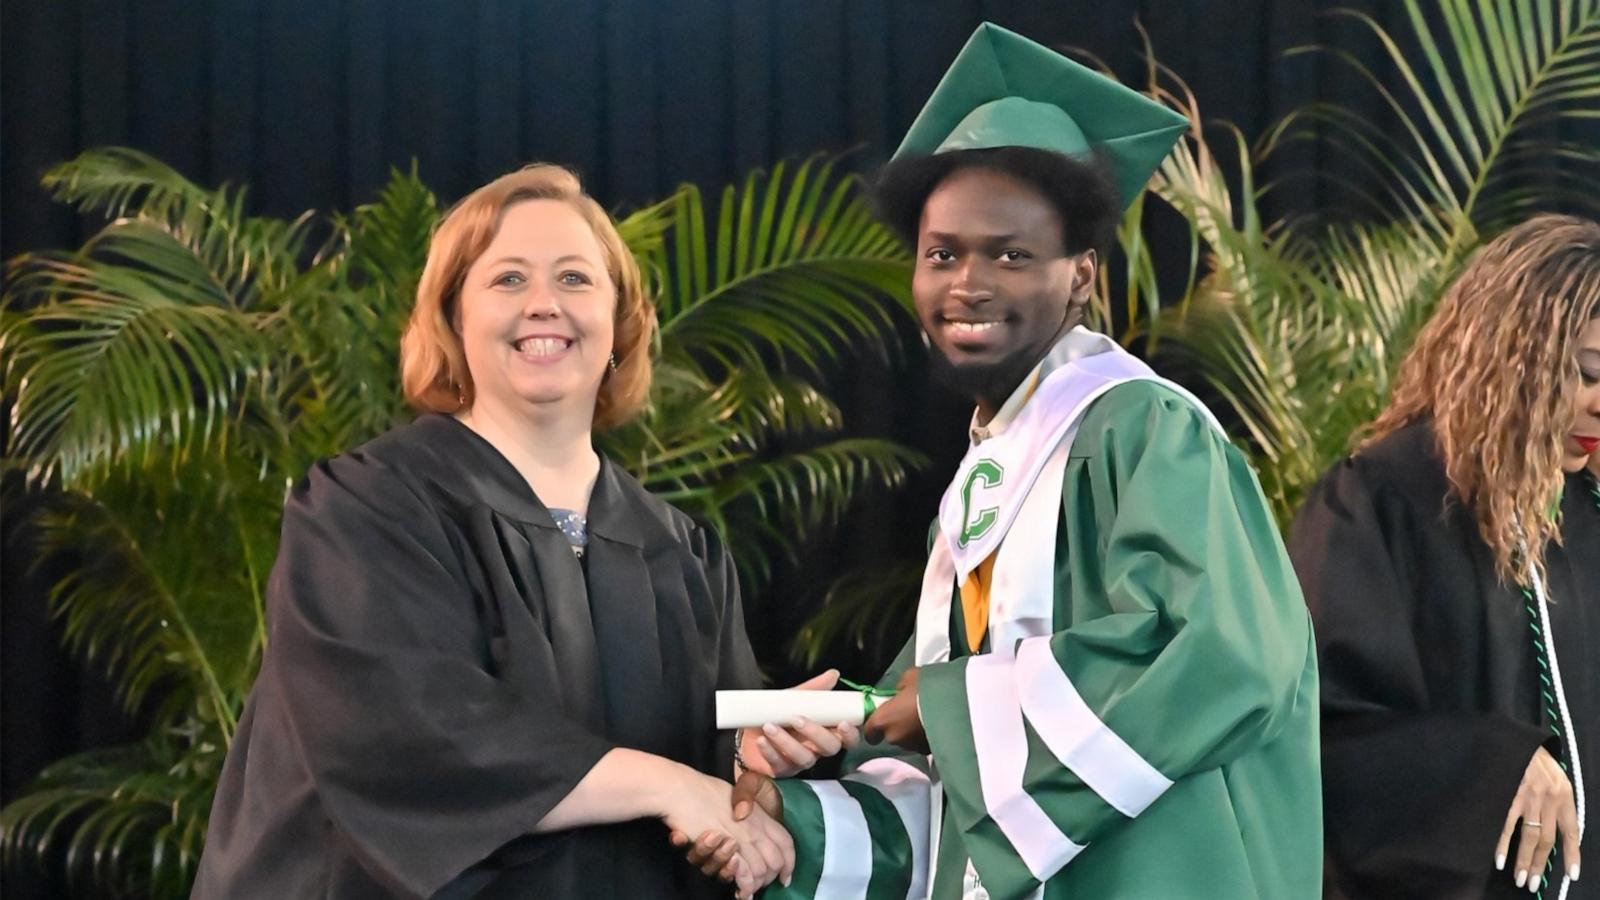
x,y
1159,734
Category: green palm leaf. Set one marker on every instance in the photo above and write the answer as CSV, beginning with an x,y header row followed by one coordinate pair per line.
x,y
869,609
154,337
249,259
707,450
339,333
774,504
796,266
1491,73
794,269
388,239
128,820
110,363
813,486
1300,327
1299,334
146,597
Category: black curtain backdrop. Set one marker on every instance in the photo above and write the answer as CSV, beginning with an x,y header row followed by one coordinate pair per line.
x,y
311,102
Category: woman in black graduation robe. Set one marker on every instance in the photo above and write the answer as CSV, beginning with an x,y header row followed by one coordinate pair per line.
x,y
453,702
397,744
1430,684
1436,712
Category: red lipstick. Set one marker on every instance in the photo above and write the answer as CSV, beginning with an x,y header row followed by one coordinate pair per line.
x,y
1589,444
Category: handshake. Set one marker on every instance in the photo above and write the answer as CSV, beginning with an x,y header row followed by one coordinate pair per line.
x,y
736,832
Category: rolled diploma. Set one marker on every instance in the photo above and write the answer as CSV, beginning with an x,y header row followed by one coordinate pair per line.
x,y
750,709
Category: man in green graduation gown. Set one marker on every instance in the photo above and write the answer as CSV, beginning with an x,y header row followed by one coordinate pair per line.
x,y
1112,690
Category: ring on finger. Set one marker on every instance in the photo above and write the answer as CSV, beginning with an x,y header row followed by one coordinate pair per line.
x,y
1526,823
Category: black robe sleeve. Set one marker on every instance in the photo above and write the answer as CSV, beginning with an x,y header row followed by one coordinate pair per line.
x,y
1416,787
424,761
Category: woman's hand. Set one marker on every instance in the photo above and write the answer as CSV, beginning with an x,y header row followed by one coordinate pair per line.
x,y
782,752
699,804
1545,805
755,797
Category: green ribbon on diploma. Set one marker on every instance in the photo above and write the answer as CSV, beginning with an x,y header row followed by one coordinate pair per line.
x,y
870,696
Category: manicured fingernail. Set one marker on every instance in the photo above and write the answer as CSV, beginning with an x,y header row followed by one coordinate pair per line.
x,y
801,722
769,728
1535,883
1522,877
1573,872
1499,862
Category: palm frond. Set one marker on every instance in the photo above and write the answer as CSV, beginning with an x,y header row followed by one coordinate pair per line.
x,y
796,266
249,259
811,487
775,503
340,333
159,609
121,181
1299,327
686,434
645,231
1301,339
696,426
1491,72
388,238
126,820
872,609
110,363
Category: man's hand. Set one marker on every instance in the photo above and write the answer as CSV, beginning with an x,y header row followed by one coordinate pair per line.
x,y
754,790
715,854
897,720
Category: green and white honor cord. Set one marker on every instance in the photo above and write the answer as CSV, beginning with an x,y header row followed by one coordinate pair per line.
x,y
1554,699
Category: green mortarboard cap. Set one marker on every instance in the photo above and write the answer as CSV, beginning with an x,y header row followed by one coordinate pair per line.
x,y
1004,90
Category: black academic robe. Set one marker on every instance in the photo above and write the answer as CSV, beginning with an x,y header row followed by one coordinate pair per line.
x,y
1431,705
441,671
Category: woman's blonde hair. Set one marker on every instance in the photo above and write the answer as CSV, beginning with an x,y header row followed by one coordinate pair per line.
x,y
1495,371
433,365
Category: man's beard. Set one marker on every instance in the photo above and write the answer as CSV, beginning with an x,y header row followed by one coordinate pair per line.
x,y
989,382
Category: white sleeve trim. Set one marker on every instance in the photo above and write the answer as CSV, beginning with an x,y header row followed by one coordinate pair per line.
x,y
1077,737
1001,746
905,786
846,844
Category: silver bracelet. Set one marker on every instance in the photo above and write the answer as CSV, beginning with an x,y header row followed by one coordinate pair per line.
x,y
738,753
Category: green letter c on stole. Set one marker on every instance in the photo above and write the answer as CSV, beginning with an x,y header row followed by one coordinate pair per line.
x,y
989,473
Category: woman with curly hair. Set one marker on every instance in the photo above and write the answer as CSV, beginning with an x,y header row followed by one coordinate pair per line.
x,y
1452,570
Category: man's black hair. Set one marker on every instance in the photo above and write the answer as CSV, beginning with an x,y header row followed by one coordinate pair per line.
x,y
1082,191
